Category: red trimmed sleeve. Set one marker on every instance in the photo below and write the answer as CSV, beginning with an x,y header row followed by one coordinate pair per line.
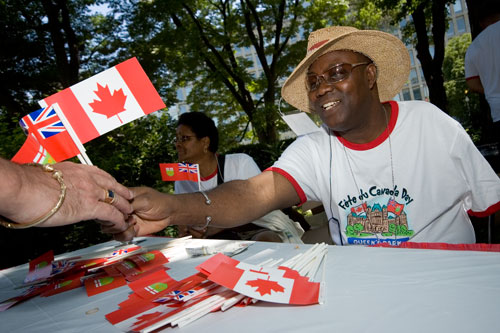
x,y
487,212
472,77
292,181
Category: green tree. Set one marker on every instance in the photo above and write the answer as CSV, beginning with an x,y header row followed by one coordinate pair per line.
x,y
462,104
46,46
49,45
426,28
392,228
132,152
358,227
350,231
204,45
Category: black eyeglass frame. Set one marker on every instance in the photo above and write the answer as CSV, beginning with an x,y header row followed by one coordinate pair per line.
x,y
328,79
184,138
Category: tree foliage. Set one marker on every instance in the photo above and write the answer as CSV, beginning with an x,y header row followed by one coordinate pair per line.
x,y
462,104
205,45
426,28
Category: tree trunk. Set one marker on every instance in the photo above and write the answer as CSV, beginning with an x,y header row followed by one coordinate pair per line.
x,y
64,41
432,66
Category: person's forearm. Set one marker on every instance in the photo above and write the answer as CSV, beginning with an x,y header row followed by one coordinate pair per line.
x,y
475,85
25,191
232,204
60,194
236,202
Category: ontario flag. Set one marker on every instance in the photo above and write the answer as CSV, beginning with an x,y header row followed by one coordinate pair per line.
x,y
395,207
179,171
33,152
103,283
50,132
278,285
107,100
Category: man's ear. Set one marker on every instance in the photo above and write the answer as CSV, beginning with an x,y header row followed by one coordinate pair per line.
x,y
371,71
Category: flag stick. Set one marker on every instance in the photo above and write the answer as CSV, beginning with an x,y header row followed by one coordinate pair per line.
x,y
84,159
232,301
216,302
199,182
322,284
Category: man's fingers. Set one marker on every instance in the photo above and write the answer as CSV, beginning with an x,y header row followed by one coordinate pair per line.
x,y
112,220
126,235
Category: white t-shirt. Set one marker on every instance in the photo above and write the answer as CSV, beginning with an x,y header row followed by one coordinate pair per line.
x,y
439,176
483,59
238,167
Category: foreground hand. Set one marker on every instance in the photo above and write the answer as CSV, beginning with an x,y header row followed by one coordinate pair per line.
x,y
86,190
150,214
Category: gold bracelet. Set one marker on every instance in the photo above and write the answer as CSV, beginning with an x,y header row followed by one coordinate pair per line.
x,y
57,175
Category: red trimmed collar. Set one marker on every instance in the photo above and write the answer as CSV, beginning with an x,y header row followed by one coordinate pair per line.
x,y
381,138
210,176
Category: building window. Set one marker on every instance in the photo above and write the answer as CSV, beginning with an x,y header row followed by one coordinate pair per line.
x,y
413,76
457,6
451,30
406,95
461,25
411,58
417,94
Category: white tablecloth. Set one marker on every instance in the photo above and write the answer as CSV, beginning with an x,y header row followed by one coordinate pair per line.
x,y
367,289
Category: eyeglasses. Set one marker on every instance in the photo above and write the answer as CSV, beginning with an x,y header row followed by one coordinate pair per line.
x,y
332,75
183,138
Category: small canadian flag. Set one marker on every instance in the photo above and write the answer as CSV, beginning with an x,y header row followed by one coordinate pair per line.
x,y
278,285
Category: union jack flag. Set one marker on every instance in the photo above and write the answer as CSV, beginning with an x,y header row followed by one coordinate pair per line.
x,y
119,252
50,132
45,121
189,168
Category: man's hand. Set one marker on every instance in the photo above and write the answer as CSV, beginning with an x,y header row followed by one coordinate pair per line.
x,y
150,214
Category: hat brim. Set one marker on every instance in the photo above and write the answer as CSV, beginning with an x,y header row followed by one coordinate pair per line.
x,y
387,52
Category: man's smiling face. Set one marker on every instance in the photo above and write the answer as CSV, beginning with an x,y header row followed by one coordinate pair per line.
x,y
341,105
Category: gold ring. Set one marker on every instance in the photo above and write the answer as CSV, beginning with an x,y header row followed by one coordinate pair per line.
x,y
110,197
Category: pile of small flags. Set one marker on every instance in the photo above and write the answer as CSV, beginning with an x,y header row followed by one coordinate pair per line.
x,y
157,300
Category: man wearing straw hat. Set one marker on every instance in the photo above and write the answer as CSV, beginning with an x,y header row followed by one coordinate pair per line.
x,y
385,171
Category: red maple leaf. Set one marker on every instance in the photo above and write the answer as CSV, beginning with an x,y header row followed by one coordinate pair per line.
x,y
265,286
109,104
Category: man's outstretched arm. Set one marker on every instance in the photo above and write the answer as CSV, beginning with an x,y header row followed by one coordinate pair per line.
x,y
233,203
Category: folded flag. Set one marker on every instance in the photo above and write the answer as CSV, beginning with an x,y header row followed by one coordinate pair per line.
x,y
33,152
40,268
103,283
278,285
68,283
107,100
50,132
27,294
179,171
152,284
149,260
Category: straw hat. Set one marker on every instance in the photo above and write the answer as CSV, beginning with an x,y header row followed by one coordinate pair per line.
x,y
387,52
